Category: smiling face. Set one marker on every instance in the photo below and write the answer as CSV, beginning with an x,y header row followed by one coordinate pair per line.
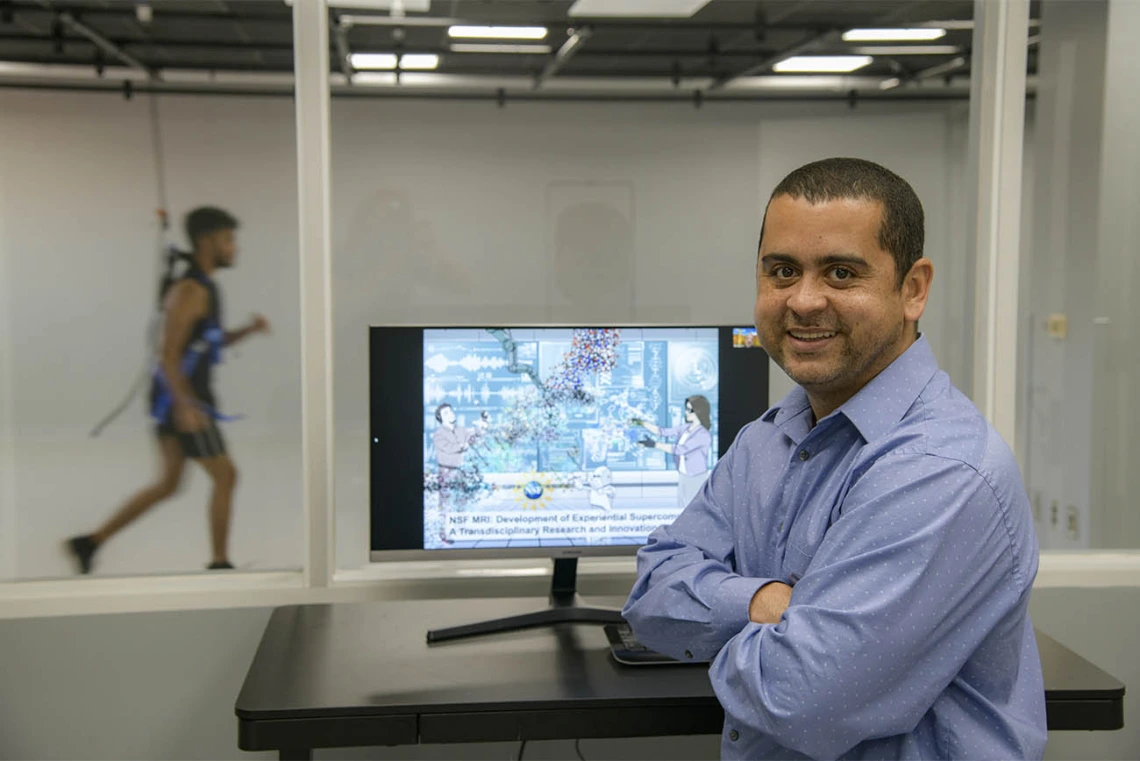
x,y
829,310
447,416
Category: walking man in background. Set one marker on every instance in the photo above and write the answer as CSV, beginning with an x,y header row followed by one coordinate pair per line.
x,y
182,398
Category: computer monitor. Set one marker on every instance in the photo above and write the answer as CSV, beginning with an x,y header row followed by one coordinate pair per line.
x,y
548,441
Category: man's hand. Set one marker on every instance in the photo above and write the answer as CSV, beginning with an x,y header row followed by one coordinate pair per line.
x,y
769,603
188,418
259,324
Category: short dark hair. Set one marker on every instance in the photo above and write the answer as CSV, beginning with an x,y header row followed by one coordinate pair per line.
x,y
701,409
439,412
902,230
205,220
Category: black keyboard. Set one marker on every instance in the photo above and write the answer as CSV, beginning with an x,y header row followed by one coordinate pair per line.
x,y
627,649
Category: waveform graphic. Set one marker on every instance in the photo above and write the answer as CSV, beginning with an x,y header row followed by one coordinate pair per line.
x,y
439,363
435,392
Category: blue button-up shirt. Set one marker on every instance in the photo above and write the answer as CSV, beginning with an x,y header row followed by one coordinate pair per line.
x,y
902,525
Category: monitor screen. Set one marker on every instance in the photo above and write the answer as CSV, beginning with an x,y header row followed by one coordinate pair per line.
x,y
548,441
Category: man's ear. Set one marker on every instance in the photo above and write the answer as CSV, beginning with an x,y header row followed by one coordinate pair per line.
x,y
916,289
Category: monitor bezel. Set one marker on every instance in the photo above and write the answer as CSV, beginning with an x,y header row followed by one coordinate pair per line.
x,y
512,553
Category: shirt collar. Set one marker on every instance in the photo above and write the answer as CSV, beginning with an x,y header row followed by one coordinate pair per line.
x,y
875,408
792,414
880,405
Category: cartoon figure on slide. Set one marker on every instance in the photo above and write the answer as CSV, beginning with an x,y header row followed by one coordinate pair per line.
x,y
451,443
691,451
602,490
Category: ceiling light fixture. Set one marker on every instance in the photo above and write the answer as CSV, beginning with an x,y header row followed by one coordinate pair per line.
x,y
478,47
635,8
906,50
392,6
372,61
387,61
829,64
498,32
419,61
893,35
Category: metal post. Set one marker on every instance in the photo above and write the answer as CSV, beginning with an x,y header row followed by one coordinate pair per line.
x,y
311,70
997,110
8,543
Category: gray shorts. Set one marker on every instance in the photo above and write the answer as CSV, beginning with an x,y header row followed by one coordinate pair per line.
x,y
207,442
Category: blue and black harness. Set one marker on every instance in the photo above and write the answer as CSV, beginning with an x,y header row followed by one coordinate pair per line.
x,y
208,347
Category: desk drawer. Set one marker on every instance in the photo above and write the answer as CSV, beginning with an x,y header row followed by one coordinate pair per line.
x,y
326,732
562,723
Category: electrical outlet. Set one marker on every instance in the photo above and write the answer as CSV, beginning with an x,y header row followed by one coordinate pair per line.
x,y
1054,513
1058,326
1036,507
1072,522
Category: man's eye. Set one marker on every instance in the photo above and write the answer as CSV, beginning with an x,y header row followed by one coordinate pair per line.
x,y
783,271
842,273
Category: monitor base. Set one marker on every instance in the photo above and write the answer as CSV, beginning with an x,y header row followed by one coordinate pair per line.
x,y
565,608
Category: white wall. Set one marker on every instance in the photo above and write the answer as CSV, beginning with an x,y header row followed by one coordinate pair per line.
x,y
442,211
78,238
1116,361
451,212
1082,208
1063,192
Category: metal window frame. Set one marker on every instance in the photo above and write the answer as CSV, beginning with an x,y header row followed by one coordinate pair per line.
x,y
997,130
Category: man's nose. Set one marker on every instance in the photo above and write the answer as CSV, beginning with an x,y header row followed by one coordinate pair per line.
x,y
808,296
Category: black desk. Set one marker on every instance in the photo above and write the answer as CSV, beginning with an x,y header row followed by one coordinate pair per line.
x,y
362,674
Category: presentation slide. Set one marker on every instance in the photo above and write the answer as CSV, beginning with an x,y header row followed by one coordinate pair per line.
x,y
564,437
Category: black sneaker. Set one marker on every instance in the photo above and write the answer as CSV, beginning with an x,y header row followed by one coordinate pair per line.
x,y
220,565
82,549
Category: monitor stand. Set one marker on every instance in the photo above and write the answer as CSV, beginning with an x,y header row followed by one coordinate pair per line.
x,y
565,607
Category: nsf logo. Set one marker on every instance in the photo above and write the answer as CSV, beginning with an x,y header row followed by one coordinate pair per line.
x,y
532,490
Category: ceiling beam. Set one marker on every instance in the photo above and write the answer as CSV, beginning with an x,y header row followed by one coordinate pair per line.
x,y
944,69
763,66
343,53
172,13
941,69
822,38
273,47
568,50
633,25
101,42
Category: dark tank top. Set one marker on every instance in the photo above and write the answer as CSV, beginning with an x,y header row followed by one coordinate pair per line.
x,y
199,377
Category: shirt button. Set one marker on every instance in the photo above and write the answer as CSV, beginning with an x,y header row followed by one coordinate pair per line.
x,y
780,528
734,735
689,655
804,455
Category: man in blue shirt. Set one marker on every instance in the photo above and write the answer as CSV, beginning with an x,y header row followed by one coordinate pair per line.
x,y
858,565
